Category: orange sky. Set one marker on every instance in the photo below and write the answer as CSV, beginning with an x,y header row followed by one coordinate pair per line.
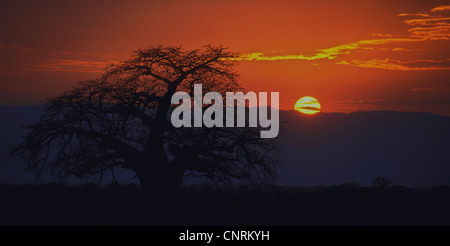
x,y
351,55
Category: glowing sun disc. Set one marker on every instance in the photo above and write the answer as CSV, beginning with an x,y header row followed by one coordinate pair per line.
x,y
307,105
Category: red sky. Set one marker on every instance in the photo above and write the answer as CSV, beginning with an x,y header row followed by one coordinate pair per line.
x,y
351,55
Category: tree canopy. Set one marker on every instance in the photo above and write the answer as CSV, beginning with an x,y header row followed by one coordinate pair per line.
x,y
121,120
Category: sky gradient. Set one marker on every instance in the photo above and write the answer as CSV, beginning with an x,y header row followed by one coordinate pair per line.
x,y
351,55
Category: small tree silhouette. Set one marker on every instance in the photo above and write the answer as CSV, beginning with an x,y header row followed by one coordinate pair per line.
x,y
382,182
121,121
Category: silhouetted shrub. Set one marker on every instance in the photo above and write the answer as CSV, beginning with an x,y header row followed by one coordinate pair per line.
x,y
382,182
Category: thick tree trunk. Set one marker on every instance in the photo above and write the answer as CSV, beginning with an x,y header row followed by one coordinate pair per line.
x,y
161,180
160,177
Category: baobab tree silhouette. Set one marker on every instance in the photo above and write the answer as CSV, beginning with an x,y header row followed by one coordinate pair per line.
x,y
121,120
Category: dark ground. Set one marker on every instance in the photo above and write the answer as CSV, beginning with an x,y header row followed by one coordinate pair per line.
x,y
126,205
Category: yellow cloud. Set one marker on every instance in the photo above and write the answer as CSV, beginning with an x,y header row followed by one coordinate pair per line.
x,y
421,15
328,53
440,8
405,50
441,32
390,64
425,28
382,35
430,28
432,21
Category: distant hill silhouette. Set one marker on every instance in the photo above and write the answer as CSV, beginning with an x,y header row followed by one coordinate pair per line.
x,y
409,148
12,121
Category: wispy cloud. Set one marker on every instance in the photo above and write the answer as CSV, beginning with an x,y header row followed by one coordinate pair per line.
x,y
441,8
382,35
56,61
328,53
405,50
71,65
390,64
425,27
436,89
13,49
60,65
429,21
434,32
417,15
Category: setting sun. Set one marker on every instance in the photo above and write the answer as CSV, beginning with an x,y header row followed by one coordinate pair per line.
x,y
307,105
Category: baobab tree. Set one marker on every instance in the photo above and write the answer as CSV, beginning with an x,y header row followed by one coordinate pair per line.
x,y
121,120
